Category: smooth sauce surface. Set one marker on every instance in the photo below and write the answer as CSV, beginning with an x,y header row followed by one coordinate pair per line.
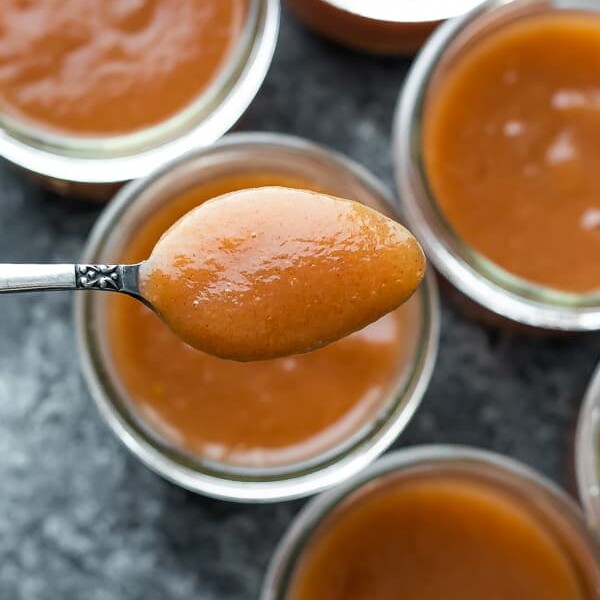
x,y
275,271
433,539
111,66
251,414
512,147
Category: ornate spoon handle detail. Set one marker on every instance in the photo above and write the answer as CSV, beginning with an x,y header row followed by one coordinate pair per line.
x,y
111,278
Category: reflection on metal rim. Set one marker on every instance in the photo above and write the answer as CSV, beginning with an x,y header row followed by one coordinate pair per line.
x,y
407,11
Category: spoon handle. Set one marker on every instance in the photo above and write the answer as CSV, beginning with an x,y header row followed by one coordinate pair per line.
x,y
28,277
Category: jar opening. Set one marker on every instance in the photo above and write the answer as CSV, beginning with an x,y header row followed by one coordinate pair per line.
x,y
241,156
422,484
473,54
477,276
49,137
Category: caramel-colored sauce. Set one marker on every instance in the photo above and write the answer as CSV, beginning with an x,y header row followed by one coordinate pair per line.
x,y
512,147
265,413
109,67
430,539
274,271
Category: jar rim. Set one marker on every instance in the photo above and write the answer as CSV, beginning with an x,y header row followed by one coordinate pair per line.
x,y
275,485
121,158
298,534
587,451
473,274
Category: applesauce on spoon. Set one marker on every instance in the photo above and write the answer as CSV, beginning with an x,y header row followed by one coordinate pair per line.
x,y
258,273
273,271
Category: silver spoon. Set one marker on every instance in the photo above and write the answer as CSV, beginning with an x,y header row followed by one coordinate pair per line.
x,y
39,277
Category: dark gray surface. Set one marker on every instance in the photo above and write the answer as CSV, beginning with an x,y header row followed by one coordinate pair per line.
x,y
81,518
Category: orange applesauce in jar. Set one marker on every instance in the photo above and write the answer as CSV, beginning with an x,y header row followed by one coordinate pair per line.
x,y
111,67
511,143
435,537
260,414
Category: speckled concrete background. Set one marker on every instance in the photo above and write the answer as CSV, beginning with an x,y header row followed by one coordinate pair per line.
x,y
81,518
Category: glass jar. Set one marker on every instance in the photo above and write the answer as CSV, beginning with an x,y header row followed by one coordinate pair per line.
x,y
550,507
96,167
235,154
387,27
490,286
587,451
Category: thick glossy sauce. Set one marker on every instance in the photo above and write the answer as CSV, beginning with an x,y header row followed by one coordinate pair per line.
x,y
512,148
254,414
432,539
111,66
274,271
